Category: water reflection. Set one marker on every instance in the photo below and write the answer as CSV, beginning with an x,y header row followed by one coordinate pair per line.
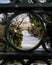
x,y
25,32
29,40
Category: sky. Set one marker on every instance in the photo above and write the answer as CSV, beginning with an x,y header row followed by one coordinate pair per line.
x,y
8,1
4,1
19,18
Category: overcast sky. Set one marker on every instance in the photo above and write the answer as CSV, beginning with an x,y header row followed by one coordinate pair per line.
x,y
8,1
4,1
21,16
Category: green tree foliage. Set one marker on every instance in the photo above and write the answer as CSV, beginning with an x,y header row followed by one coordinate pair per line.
x,y
36,27
15,36
48,17
49,30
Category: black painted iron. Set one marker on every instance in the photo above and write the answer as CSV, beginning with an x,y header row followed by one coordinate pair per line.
x,y
38,10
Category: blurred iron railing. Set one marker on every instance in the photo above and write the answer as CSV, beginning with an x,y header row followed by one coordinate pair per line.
x,y
26,57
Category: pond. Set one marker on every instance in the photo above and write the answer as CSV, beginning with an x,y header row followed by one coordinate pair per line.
x,y
29,40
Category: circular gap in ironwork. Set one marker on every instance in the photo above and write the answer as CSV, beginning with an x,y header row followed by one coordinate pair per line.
x,y
25,32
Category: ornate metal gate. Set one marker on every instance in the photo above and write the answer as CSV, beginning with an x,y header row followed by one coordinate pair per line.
x,y
9,52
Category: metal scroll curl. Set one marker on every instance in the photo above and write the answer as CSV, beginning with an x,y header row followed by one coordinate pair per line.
x,y
9,61
47,41
35,26
38,61
41,1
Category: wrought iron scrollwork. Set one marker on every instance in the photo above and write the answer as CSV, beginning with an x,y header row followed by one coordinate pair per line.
x,y
9,42
38,14
38,61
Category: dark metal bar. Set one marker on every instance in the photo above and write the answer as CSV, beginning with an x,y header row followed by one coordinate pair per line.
x,y
36,54
38,8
